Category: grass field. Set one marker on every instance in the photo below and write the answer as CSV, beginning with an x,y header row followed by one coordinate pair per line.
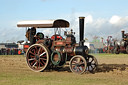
x,y
112,70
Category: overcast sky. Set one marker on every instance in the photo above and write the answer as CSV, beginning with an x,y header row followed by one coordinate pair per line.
x,y
103,17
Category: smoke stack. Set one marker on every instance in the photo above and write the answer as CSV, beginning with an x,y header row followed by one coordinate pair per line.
x,y
122,34
81,31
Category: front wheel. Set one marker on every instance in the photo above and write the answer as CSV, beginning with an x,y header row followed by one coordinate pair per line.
x,y
78,64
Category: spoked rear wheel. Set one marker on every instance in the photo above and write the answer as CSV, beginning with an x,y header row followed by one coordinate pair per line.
x,y
78,64
91,63
37,57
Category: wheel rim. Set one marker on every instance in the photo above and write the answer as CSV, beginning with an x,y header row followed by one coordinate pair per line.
x,y
37,57
78,64
91,63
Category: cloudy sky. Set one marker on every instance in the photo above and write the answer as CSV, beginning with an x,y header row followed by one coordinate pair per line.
x,y
103,17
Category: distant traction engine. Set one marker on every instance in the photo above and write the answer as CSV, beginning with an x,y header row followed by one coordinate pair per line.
x,y
122,46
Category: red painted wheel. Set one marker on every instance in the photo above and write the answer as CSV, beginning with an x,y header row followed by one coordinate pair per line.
x,y
91,63
78,64
37,57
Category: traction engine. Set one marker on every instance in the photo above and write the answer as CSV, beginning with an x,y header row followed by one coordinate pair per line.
x,y
43,53
109,48
122,46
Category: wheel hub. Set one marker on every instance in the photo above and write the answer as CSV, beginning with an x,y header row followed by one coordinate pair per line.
x,y
37,57
89,64
77,64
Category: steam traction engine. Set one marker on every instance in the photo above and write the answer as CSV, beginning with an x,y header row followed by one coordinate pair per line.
x,y
43,53
122,46
109,48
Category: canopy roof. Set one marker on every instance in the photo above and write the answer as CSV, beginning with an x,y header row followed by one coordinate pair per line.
x,y
59,23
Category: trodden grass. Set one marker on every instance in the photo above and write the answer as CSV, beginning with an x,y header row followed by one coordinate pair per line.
x,y
112,70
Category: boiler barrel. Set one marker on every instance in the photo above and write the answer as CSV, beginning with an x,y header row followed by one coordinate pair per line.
x,y
81,50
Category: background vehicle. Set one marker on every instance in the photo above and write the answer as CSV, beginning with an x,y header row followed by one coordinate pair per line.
x,y
44,52
122,46
109,48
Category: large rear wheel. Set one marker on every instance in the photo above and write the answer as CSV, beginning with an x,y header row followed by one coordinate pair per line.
x,y
37,57
78,64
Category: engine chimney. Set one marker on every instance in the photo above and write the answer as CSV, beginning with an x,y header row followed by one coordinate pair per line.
x,y
122,34
81,30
